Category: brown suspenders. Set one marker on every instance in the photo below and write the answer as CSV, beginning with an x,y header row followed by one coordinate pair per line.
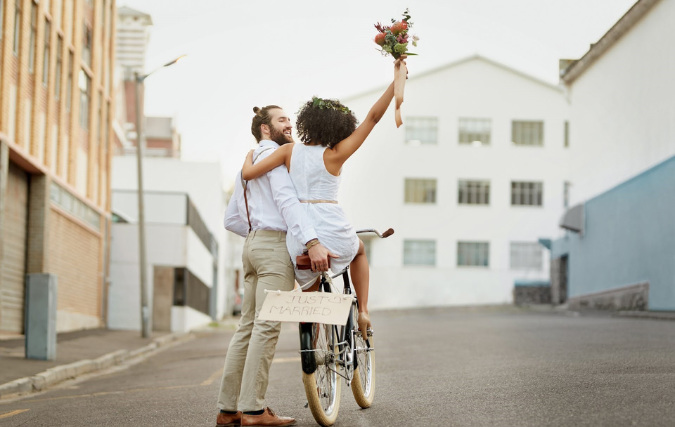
x,y
244,184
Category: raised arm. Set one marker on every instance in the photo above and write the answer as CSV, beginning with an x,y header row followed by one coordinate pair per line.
x,y
280,156
348,146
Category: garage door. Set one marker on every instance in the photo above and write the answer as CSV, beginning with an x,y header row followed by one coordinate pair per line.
x,y
14,241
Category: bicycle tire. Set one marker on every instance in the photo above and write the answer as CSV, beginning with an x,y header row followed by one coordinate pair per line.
x,y
323,385
363,382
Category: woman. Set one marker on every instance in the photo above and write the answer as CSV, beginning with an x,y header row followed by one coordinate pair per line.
x,y
330,136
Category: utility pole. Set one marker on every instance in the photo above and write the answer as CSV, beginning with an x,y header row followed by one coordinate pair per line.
x,y
140,144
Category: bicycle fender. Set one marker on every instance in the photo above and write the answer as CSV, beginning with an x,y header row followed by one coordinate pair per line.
x,y
307,358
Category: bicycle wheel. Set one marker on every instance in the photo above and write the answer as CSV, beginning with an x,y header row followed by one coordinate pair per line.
x,y
322,386
363,383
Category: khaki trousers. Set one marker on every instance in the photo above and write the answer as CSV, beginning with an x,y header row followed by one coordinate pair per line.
x,y
267,265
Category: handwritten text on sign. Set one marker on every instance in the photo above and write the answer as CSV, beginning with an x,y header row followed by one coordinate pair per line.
x,y
315,307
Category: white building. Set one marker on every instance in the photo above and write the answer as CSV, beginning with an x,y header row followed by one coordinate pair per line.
x,y
467,214
188,261
622,93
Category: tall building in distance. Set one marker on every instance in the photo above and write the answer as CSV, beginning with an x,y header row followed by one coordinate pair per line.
x,y
56,108
133,35
161,137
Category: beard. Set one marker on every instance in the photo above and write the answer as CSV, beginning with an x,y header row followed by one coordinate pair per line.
x,y
279,137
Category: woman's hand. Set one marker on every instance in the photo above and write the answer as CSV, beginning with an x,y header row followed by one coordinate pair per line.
x,y
401,60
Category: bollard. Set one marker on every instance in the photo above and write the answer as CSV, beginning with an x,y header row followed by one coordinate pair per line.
x,y
40,316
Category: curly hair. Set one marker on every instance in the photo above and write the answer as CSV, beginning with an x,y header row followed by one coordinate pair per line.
x,y
324,121
262,117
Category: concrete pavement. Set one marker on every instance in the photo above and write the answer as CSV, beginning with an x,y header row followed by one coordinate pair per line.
x,y
437,367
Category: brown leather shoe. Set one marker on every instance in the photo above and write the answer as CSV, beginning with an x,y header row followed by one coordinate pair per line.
x,y
228,420
267,418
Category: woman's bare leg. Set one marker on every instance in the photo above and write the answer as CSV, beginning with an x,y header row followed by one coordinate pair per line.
x,y
361,280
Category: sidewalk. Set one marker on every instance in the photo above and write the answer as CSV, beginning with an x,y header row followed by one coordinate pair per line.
x,y
71,347
82,352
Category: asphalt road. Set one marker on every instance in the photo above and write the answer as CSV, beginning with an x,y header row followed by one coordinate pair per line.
x,y
442,367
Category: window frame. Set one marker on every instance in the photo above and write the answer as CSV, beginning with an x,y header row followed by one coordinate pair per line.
x,y
409,252
518,190
482,191
410,194
59,65
472,253
17,28
519,128
470,138
410,128
86,44
46,53
69,81
85,97
537,265
32,49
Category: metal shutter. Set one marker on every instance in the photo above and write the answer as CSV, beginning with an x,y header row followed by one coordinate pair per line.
x,y
14,241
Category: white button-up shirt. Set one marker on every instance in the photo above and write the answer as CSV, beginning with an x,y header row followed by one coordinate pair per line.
x,y
272,202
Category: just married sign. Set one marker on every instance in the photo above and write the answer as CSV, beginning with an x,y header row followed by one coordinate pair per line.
x,y
315,307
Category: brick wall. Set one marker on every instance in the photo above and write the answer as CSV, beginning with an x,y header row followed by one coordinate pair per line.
x,y
76,259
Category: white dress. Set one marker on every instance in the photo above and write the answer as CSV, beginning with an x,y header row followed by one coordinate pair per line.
x,y
313,182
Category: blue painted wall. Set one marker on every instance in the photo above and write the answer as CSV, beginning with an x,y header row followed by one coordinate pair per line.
x,y
629,238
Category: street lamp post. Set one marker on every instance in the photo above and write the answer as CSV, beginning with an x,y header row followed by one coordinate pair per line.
x,y
145,309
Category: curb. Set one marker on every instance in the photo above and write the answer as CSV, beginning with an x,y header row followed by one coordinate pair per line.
x,y
658,315
60,373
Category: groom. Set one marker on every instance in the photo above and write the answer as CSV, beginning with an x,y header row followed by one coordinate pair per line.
x,y
262,210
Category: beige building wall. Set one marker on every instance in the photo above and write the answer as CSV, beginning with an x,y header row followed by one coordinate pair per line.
x,y
56,104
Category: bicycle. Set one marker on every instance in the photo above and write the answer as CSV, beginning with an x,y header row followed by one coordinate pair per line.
x,y
326,349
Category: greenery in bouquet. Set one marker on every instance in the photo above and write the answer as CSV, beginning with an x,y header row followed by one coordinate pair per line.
x,y
394,39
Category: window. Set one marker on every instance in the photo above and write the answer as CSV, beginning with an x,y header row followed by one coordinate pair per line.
x,y
74,206
69,82
527,133
419,252
526,256
45,55
472,130
85,98
526,193
420,190
17,27
474,192
59,63
86,45
33,37
567,134
421,130
473,254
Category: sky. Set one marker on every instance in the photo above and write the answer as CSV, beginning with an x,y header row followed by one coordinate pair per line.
x,y
258,52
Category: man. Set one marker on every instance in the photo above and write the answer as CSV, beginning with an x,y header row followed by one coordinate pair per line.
x,y
262,210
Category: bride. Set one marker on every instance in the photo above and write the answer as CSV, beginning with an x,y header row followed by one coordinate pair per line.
x,y
330,136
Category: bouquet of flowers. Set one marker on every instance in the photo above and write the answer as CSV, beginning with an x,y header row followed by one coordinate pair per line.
x,y
394,41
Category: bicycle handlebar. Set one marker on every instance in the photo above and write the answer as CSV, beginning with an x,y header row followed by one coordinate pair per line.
x,y
384,235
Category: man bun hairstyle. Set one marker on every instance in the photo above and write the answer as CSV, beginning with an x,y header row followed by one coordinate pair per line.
x,y
325,121
262,117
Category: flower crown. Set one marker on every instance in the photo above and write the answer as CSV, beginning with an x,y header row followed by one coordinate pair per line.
x,y
329,104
